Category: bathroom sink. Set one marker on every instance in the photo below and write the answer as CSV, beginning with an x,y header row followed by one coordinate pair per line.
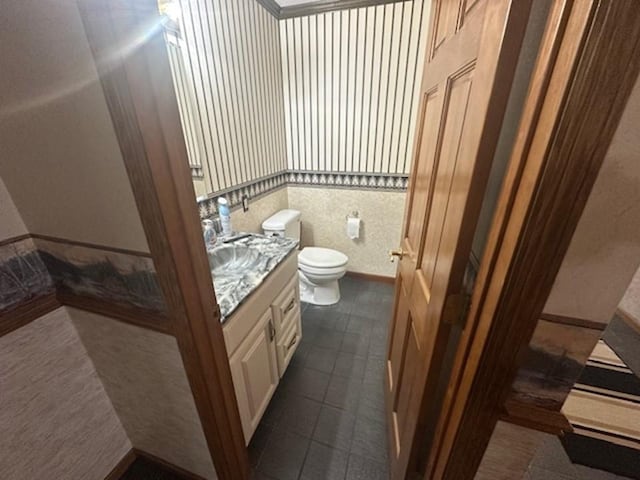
x,y
231,259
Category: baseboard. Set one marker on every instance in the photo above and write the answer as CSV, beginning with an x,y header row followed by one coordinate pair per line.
x,y
372,277
178,471
123,465
27,312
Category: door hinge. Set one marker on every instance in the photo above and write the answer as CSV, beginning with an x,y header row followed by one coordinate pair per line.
x,y
456,308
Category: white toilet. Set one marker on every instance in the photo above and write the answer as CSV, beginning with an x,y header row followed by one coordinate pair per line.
x,y
319,268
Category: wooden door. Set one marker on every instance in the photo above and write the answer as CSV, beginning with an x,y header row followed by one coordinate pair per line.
x,y
254,370
467,76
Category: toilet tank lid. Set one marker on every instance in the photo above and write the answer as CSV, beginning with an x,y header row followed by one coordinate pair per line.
x,y
280,220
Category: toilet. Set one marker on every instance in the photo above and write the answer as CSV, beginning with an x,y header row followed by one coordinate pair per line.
x,y
319,268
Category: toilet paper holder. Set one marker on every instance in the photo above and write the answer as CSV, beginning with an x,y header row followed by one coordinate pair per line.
x,y
354,214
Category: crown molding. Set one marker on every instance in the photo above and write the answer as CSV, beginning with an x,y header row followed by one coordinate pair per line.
x,y
317,7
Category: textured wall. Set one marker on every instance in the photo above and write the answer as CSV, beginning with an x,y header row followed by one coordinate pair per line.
x,y
11,224
259,210
57,421
59,150
631,301
143,374
602,258
351,83
231,59
324,224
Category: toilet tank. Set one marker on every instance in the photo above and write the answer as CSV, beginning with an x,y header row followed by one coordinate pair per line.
x,y
285,223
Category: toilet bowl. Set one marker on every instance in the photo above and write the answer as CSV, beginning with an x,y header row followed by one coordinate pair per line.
x,y
319,270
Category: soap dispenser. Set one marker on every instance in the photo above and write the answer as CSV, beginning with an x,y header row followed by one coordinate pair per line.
x,y
209,233
225,216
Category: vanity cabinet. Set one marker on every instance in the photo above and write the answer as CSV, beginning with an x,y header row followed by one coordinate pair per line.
x,y
261,337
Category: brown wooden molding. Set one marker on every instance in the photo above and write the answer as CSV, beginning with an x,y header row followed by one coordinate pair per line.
x,y
574,321
132,315
95,246
372,277
174,469
8,241
537,418
140,95
315,7
577,96
27,312
123,465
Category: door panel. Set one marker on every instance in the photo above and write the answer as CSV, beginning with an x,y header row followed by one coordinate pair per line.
x,y
448,175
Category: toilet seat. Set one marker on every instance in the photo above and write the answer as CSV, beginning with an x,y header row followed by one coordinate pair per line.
x,y
321,259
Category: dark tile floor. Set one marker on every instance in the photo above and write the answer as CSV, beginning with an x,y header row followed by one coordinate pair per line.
x,y
327,419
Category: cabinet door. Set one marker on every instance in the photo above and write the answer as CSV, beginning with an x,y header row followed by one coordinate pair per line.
x,y
254,370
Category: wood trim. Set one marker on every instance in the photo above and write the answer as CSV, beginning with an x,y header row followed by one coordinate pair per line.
x,y
575,102
18,238
139,317
321,6
315,7
123,465
140,96
27,312
68,241
179,471
528,416
574,321
372,277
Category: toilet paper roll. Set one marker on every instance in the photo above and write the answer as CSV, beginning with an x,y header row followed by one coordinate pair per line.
x,y
353,228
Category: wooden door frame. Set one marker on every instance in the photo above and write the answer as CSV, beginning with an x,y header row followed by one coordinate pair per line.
x,y
127,44
576,98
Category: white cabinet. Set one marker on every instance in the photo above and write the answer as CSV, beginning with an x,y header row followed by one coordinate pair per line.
x,y
255,373
261,336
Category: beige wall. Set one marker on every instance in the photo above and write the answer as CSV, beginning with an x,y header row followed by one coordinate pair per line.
x,y
259,211
143,374
59,150
604,253
324,224
630,303
57,420
11,224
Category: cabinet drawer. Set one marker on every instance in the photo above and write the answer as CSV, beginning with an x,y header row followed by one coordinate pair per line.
x,y
285,307
288,343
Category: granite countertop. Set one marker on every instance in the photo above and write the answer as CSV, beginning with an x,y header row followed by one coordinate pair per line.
x,y
233,287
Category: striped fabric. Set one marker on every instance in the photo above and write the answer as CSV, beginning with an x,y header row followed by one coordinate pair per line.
x,y
604,409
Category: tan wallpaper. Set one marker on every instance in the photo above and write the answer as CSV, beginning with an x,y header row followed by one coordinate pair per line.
x,y
630,303
143,374
57,420
324,224
59,151
11,224
259,211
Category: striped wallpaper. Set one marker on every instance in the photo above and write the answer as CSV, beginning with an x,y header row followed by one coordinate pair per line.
x,y
225,60
351,80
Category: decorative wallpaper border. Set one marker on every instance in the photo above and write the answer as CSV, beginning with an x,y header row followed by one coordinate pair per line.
x,y
119,283
347,180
